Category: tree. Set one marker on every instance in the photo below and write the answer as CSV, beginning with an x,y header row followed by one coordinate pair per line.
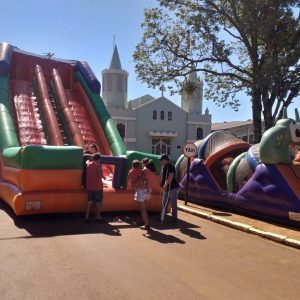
x,y
250,46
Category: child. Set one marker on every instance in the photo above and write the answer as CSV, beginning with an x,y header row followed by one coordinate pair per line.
x,y
148,174
88,155
141,193
94,186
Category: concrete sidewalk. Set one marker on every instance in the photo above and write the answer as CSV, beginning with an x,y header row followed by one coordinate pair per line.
x,y
279,233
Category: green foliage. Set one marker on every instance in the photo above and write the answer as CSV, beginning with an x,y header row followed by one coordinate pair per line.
x,y
189,87
247,45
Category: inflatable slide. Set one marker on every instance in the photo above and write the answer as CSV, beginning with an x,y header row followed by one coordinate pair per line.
x,y
50,111
262,180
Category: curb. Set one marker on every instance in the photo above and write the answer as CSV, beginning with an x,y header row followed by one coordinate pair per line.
x,y
243,227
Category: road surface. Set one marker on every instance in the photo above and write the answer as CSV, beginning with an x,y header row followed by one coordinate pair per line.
x,y
60,257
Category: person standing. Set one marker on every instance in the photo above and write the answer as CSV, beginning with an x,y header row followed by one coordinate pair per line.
x,y
87,155
148,174
138,181
94,186
169,185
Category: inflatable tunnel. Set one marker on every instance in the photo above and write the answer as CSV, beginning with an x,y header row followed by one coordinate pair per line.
x,y
261,180
218,151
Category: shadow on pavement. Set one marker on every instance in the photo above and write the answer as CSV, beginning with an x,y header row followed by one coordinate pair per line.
x,y
64,224
58,224
192,233
162,238
48,225
183,226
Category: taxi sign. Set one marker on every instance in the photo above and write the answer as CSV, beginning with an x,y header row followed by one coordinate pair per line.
x,y
189,150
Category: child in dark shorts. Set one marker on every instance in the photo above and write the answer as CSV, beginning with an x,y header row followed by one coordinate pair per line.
x,y
94,186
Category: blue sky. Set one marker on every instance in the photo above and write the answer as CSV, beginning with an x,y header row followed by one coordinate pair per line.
x,y
85,30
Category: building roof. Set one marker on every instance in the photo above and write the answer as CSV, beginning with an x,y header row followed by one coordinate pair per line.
x,y
141,100
159,100
230,125
115,60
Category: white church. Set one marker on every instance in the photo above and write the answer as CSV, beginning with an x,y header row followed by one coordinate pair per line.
x,y
154,125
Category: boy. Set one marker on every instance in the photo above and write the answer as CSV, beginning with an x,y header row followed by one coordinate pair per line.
x,y
94,186
87,155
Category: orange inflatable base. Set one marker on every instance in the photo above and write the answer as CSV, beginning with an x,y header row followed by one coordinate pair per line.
x,y
55,201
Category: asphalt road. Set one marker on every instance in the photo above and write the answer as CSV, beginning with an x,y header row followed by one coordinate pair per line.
x,y
60,257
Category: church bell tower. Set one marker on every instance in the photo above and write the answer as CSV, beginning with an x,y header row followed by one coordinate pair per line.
x,y
192,94
114,83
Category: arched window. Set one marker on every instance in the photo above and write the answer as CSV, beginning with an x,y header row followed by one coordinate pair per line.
x,y
169,115
154,115
162,115
120,84
199,133
109,82
121,129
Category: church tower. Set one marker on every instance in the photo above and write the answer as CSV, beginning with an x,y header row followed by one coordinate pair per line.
x,y
114,83
192,94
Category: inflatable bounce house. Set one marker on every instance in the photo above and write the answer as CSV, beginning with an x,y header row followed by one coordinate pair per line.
x,y
262,180
50,111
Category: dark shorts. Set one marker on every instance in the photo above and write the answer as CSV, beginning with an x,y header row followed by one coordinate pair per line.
x,y
95,196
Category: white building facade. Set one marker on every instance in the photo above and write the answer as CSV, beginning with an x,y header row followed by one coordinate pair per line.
x,y
154,125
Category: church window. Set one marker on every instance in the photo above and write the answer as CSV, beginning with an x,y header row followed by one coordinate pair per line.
x,y
121,129
162,115
154,116
199,133
109,82
169,115
120,86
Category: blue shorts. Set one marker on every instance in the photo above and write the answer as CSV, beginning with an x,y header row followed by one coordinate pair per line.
x,y
95,196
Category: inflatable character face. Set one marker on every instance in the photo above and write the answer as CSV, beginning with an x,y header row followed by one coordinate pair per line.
x,y
295,132
274,145
292,128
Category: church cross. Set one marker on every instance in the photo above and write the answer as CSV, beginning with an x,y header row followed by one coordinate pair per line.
x,y
162,89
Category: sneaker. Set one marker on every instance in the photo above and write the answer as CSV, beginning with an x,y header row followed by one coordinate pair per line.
x,y
145,227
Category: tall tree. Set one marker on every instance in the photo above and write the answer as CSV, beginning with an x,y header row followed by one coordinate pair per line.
x,y
250,46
